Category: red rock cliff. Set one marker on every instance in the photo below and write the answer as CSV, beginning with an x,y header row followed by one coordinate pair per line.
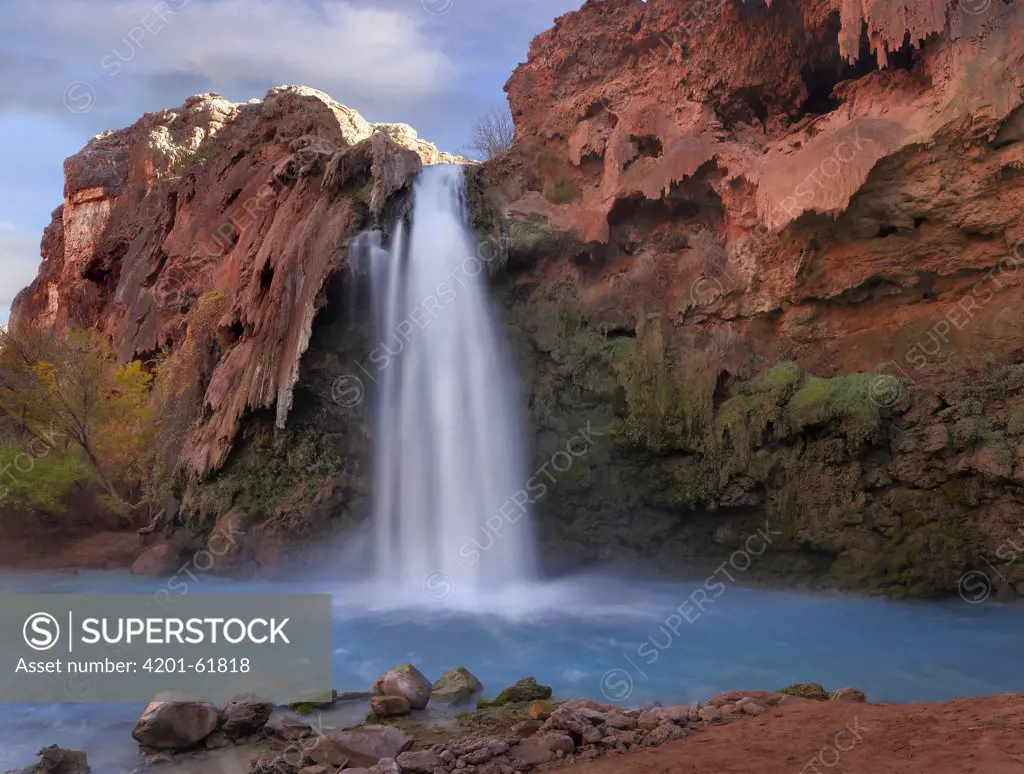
x,y
254,201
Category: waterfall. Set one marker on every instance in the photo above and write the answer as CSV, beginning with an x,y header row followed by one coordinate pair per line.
x,y
449,500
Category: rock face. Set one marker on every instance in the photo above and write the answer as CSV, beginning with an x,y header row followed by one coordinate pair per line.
x,y
254,201
753,278
166,725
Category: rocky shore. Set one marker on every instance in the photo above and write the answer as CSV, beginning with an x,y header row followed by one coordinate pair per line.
x,y
519,730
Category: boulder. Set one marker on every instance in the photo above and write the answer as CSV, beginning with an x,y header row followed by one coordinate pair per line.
x,y
163,559
375,741
241,718
455,686
166,725
653,718
390,706
710,714
620,721
386,766
218,740
849,694
666,732
406,681
326,751
421,762
525,690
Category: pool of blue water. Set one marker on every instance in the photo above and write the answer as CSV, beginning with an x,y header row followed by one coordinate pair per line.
x,y
622,641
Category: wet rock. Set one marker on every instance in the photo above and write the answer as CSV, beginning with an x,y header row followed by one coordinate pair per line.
x,y
422,762
406,681
166,725
375,741
849,694
56,760
455,686
390,706
240,718
666,732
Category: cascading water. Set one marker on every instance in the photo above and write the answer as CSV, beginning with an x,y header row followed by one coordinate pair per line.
x,y
449,509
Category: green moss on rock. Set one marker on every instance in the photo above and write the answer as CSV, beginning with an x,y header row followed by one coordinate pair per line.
x,y
806,691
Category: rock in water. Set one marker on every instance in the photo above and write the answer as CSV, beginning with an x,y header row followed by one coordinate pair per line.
x,y
166,725
56,760
525,690
406,681
390,706
239,718
456,685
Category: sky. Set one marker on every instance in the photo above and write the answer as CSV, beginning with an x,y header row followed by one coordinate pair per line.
x,y
70,69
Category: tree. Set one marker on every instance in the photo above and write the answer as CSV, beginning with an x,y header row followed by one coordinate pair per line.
x,y
75,389
492,133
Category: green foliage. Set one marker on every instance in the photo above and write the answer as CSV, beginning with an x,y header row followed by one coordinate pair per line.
x,y
806,691
76,388
845,399
37,477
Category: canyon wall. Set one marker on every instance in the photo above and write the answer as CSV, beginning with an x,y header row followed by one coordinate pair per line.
x,y
775,250
767,252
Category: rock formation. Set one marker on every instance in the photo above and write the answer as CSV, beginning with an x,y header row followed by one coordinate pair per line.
x,y
768,251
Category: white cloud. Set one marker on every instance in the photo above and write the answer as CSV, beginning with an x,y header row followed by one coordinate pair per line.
x,y
356,54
